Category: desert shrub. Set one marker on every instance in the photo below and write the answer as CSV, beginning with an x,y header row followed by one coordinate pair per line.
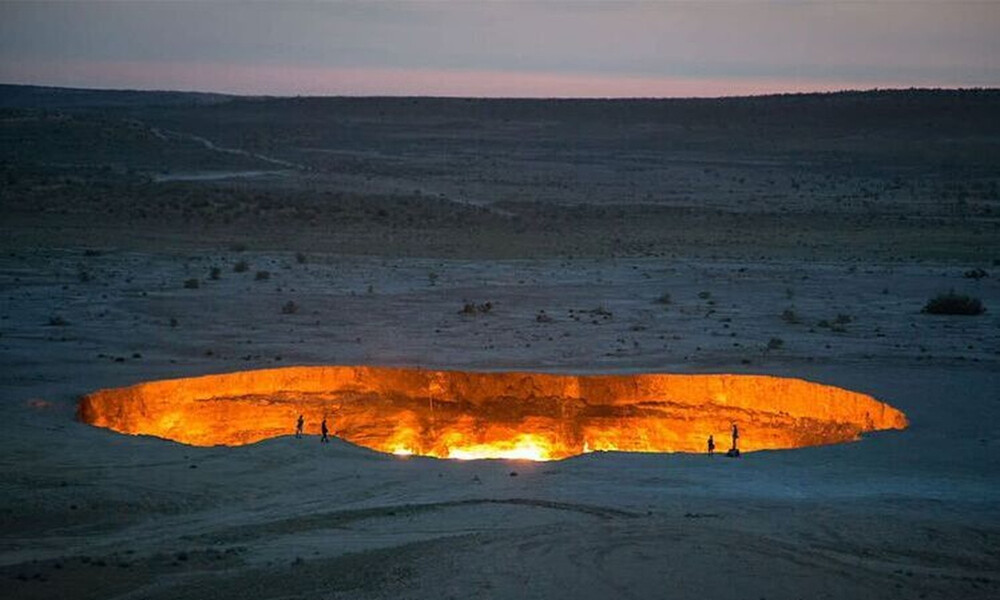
x,y
954,304
543,317
843,319
289,308
664,299
215,274
241,266
704,295
601,311
84,276
57,321
775,343
262,275
300,258
191,284
471,308
238,247
789,316
173,321
975,274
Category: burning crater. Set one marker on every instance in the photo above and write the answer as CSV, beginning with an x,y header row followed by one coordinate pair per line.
x,y
454,414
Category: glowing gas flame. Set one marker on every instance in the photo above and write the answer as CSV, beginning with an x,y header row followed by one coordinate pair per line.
x,y
466,415
523,447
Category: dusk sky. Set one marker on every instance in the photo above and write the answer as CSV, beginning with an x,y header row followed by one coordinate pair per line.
x,y
502,48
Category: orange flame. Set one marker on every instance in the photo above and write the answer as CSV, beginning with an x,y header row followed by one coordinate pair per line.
x,y
512,415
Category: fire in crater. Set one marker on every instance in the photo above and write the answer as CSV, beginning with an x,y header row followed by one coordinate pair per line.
x,y
471,415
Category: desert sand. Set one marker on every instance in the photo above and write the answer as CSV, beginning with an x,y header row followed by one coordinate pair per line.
x,y
385,223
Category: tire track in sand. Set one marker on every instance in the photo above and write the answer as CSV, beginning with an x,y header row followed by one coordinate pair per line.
x,y
336,519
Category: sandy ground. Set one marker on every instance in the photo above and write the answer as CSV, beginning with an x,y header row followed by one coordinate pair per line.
x,y
92,514
795,236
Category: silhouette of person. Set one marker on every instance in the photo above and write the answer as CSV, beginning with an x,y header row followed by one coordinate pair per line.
x,y
736,437
298,426
711,445
324,431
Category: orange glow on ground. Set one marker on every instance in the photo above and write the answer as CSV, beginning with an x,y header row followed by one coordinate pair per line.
x,y
512,415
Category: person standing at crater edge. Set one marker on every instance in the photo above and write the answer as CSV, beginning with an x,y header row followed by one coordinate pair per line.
x,y
711,445
325,438
298,426
736,437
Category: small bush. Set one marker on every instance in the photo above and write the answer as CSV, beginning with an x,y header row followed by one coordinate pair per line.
x,y
470,308
775,343
262,275
954,304
664,299
300,258
191,284
601,311
704,295
789,316
215,274
976,274
241,267
289,308
57,321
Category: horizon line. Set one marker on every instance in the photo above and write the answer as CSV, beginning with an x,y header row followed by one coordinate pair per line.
x,y
243,95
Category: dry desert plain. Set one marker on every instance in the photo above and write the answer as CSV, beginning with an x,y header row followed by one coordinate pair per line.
x,y
791,236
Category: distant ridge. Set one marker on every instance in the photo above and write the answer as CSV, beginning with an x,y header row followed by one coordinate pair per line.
x,y
46,97
43,97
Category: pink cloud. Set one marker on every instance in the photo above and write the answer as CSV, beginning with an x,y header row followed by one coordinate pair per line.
x,y
298,80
